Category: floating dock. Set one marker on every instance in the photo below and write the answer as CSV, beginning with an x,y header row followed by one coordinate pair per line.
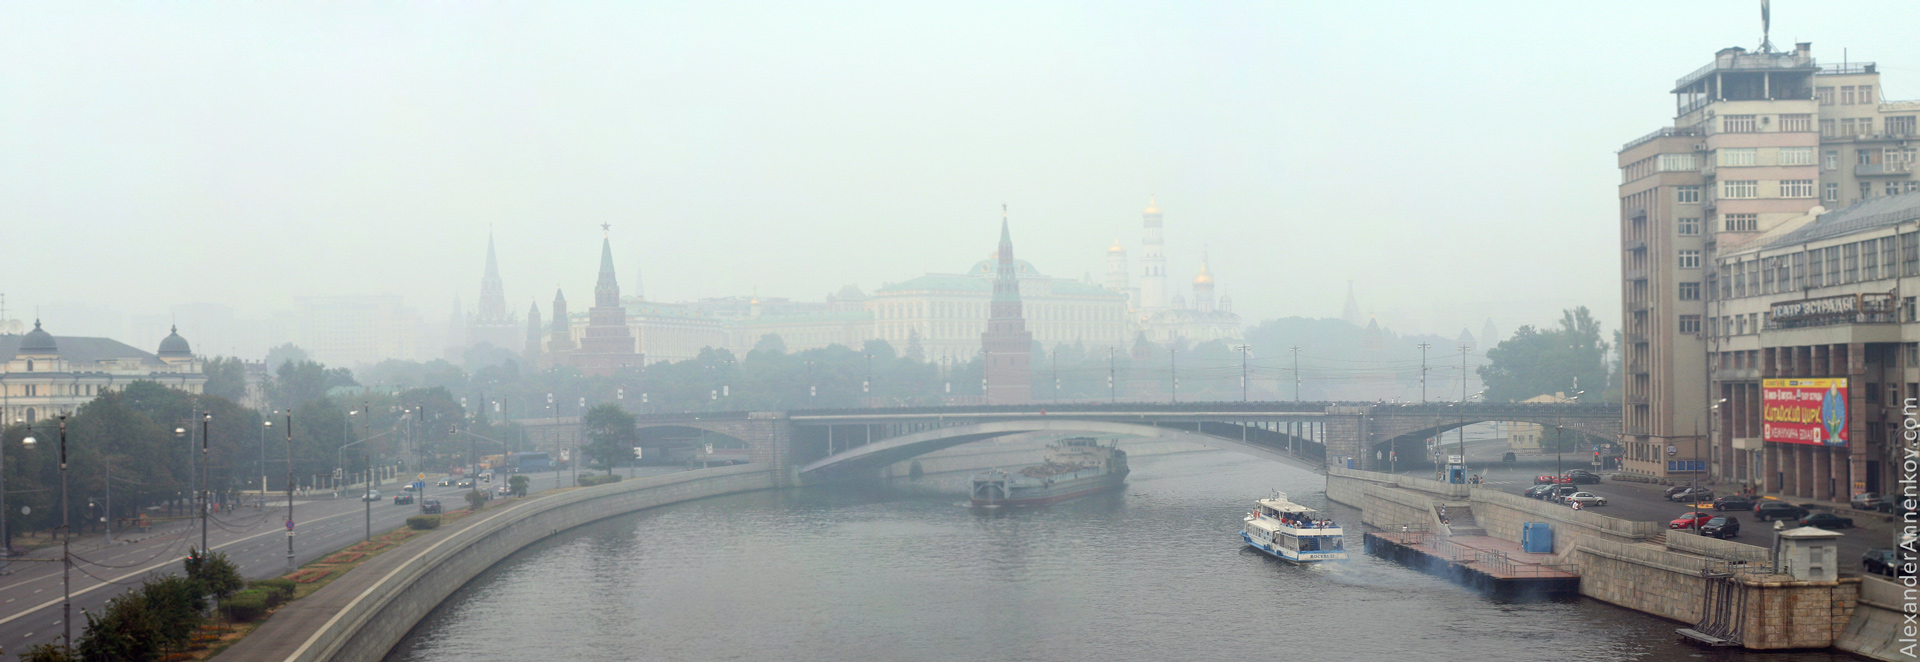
x,y
1490,565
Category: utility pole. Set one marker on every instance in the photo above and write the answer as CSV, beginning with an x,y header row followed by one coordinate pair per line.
x,y
1463,412
1173,361
206,421
366,430
1113,394
289,490
1423,371
1296,372
1244,349
66,548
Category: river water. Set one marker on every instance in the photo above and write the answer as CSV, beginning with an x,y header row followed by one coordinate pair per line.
x,y
908,572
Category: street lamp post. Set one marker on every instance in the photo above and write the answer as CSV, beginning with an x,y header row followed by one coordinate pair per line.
x,y
1296,372
263,457
289,490
206,421
1243,349
66,549
1173,363
1695,465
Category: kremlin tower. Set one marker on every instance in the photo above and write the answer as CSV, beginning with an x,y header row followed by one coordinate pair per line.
x,y
608,344
1007,345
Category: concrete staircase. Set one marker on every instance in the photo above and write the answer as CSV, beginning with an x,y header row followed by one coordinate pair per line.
x,y
1461,522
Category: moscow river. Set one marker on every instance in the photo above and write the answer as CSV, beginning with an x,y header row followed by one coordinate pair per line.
x,y
909,572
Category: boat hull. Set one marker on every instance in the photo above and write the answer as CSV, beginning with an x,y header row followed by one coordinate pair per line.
x,y
1302,558
1040,496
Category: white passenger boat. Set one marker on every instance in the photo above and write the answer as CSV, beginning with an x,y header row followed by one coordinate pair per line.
x,y
1292,532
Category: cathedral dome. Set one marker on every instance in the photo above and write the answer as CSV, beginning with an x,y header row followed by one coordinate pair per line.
x,y
38,341
1203,278
174,345
1116,248
1153,207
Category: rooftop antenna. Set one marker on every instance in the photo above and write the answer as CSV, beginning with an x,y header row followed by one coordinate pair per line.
x,y
1766,26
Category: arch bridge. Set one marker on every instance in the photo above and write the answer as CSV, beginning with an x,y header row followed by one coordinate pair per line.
x,y
825,443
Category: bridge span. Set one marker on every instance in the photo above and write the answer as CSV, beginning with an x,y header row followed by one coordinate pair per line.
x,y
821,443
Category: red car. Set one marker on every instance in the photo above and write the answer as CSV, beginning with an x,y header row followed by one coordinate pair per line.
x,y
1690,521
1544,479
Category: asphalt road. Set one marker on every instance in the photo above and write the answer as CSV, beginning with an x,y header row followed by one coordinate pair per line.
x,y
1644,501
30,592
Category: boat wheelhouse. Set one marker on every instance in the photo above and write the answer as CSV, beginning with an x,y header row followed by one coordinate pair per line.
x,y
1292,532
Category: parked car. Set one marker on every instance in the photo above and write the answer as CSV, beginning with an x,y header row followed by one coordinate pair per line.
x,y
1559,493
1585,499
1675,490
1866,501
1508,457
1721,526
1538,491
403,498
430,506
1692,495
1545,479
371,495
1690,520
1881,562
1733,502
1827,521
1772,510
1580,477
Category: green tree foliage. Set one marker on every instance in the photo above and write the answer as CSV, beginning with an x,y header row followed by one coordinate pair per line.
x,y
284,354
475,499
611,435
1546,361
518,485
227,378
144,624
48,653
217,575
297,383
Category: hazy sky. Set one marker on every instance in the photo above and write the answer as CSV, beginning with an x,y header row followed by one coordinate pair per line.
x,y
1454,160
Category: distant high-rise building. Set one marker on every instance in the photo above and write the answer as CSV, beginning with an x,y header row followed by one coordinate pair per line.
x,y
358,330
1006,345
492,322
531,354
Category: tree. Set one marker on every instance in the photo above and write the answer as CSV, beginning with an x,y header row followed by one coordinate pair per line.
x,y
217,575
1538,362
227,378
915,352
611,435
283,354
475,499
518,485
48,653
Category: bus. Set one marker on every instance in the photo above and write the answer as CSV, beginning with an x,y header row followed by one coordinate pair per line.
x,y
529,462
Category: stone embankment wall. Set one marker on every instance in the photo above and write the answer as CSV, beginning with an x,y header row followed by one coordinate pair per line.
x,y
1878,618
372,624
1624,563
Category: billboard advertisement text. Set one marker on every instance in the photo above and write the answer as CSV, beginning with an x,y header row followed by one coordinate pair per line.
x,y
1804,411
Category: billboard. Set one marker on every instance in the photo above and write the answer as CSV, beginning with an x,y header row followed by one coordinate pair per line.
x,y
1804,411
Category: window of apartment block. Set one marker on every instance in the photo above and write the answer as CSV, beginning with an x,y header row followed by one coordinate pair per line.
x,y
1796,156
1799,271
1740,156
1824,94
1690,324
1678,163
1753,277
1740,189
1767,267
1850,259
1907,309
1912,186
1846,127
1689,259
1740,323
1686,195
1796,188
1866,94
1863,156
1866,190
1870,259
1816,268
1831,193
1892,188
1796,122
1831,160
1739,222
1913,350
1833,265
1737,123
1846,95
1688,227
1910,254
1740,270
1725,280
1887,255
1902,125
1689,291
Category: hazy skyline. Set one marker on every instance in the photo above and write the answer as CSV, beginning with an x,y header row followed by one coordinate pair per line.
x,y
1453,162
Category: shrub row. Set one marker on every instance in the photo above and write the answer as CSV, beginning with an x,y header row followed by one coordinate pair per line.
x,y
591,480
423,522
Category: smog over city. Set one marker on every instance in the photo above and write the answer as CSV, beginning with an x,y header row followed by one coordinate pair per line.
x,y
865,330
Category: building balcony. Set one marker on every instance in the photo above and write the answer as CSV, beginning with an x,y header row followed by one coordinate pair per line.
x,y
1666,132
1634,244
1636,338
1637,306
1637,367
1636,273
1637,400
1874,169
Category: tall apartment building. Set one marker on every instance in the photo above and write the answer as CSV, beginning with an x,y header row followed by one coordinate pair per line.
x,y
1758,138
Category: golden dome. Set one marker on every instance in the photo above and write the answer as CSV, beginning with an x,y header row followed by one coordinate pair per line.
x,y
1204,278
1116,248
1152,206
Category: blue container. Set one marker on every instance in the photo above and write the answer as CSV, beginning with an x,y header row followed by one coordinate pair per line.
x,y
1536,538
